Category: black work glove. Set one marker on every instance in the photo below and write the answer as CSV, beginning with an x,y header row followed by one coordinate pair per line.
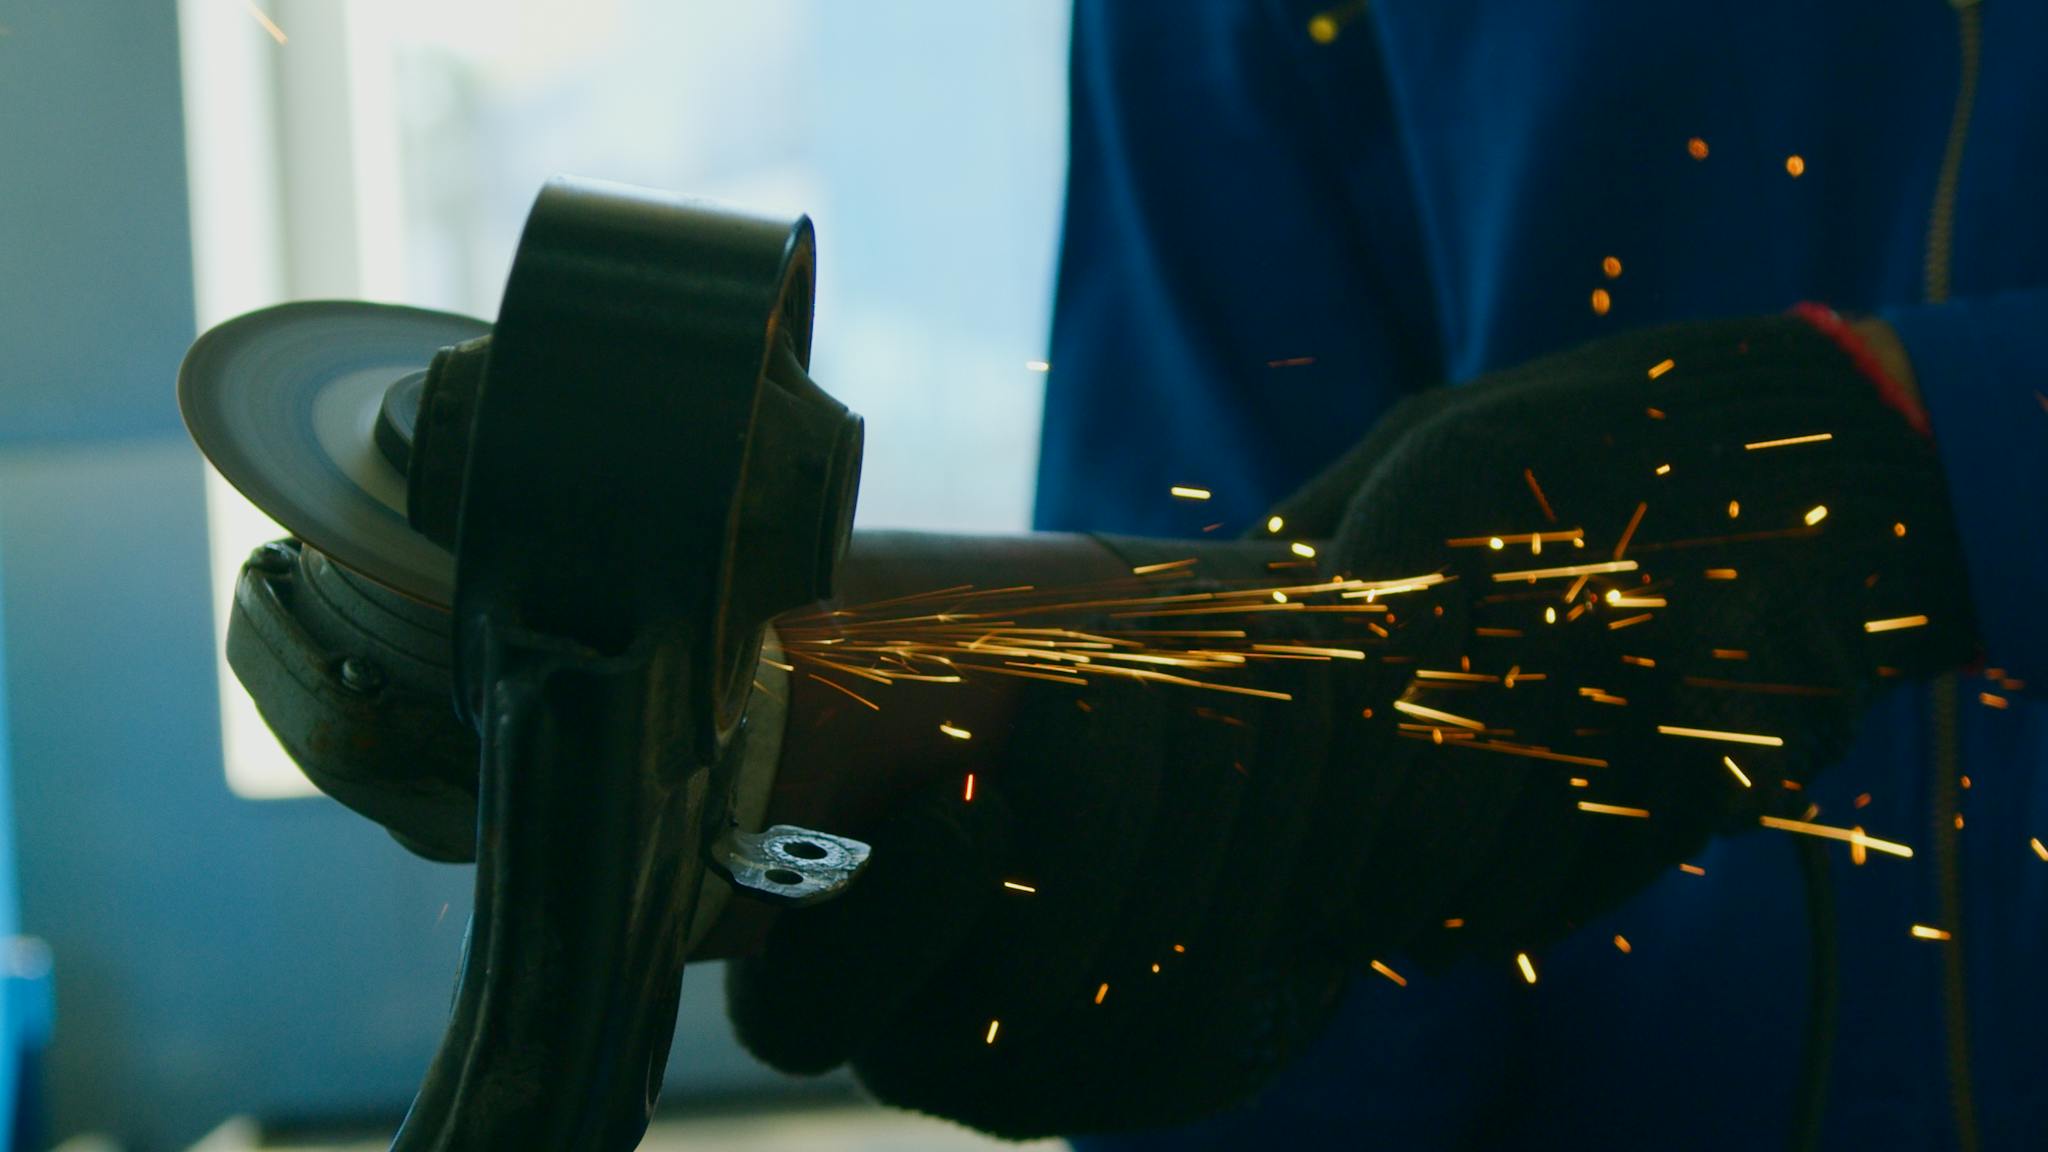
x,y
1285,845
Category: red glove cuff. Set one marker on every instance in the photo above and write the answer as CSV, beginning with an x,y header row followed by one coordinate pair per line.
x,y
1830,324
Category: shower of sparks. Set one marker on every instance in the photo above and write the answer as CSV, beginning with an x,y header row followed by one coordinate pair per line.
x,y
1390,974
1846,835
1924,932
1730,737
1184,492
262,18
1528,969
1895,623
1614,809
1741,777
1788,441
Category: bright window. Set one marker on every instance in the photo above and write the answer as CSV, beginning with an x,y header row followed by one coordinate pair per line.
x,y
389,150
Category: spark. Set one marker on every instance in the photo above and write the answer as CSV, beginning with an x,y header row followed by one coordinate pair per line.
x,y
1102,993
1550,615
1692,869
1621,942
845,689
1720,574
956,733
1730,737
1390,974
1991,700
1611,267
993,1025
1531,751
1274,524
1923,932
1894,624
1613,809
2039,848
1663,469
1786,442
1734,509
1816,514
1506,538
1300,549
1731,653
1629,621
1828,832
1579,782
1620,601
1528,969
1149,569
269,25
1180,948
1155,969
967,794
1014,886
1899,528
1735,771
1037,366
1601,301
1639,661
1459,921
1291,362
1795,166
1628,533
1307,650
1496,543
1696,148
1596,569
1187,493
1529,474
1433,714
1661,367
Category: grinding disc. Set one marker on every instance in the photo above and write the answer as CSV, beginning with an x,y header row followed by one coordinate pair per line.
x,y
284,401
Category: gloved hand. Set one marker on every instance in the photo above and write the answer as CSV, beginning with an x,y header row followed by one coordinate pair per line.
x,y
1284,845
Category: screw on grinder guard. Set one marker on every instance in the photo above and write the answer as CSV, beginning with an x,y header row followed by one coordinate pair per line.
x,y
520,616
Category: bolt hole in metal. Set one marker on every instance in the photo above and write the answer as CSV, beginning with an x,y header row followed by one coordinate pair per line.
x,y
804,849
784,876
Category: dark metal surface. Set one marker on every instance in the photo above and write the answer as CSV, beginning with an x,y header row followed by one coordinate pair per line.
x,y
636,474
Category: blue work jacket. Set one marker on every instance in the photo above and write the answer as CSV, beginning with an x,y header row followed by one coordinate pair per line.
x,y
1284,216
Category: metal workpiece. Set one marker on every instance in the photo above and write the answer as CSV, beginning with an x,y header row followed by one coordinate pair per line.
x,y
538,561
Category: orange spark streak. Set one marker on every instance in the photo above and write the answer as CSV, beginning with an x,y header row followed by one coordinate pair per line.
x,y
1692,869
1895,623
967,797
1013,886
956,733
2039,848
1389,973
1613,809
1534,574
1628,533
1923,932
1184,492
1828,832
1730,737
1101,993
1660,368
845,689
1621,943
1729,763
1529,474
269,25
1815,438
1628,621
1433,714
1148,569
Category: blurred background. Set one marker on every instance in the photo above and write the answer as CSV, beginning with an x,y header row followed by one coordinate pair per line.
x,y
195,951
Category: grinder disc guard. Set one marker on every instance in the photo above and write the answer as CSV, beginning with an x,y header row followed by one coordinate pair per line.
x,y
285,401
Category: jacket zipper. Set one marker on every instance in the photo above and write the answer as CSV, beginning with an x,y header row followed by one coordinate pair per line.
x,y
1937,270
